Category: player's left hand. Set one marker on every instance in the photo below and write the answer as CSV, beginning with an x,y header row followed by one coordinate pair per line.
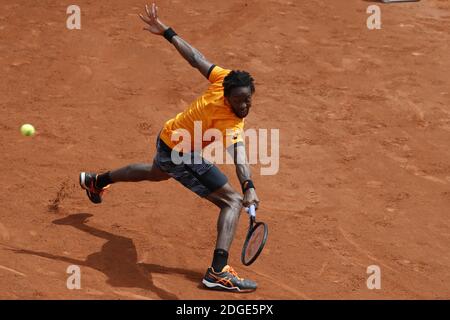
x,y
154,25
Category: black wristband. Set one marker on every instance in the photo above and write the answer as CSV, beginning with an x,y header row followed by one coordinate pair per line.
x,y
169,34
247,185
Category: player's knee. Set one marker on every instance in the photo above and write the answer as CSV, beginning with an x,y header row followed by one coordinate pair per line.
x,y
234,201
227,197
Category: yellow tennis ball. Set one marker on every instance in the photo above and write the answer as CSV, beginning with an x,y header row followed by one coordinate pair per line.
x,y
27,130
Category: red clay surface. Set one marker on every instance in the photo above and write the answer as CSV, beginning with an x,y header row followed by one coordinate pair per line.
x,y
365,163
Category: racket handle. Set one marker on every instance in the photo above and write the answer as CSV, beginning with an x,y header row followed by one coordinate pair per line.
x,y
251,210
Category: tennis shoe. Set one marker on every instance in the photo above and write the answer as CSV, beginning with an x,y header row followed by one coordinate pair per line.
x,y
227,280
87,182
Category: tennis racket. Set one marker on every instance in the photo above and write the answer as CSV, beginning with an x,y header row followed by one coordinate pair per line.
x,y
256,238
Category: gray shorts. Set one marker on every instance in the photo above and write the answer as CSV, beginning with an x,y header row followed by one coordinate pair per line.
x,y
201,177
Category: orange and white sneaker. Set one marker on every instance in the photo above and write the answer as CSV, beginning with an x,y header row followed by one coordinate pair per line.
x,y
87,182
227,279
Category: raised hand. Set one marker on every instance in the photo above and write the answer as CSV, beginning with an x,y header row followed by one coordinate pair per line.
x,y
154,25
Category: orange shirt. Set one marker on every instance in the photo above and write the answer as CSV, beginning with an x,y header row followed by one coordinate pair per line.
x,y
212,111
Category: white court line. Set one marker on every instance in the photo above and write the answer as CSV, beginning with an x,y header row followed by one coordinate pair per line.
x,y
13,271
131,295
282,285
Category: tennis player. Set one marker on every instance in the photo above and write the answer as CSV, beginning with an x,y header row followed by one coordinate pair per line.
x,y
223,106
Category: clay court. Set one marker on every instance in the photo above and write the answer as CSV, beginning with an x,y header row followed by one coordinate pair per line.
x,y
364,125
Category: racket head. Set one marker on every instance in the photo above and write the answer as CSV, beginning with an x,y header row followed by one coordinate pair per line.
x,y
254,243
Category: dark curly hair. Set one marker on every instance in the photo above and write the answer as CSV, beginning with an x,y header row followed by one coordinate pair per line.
x,y
237,79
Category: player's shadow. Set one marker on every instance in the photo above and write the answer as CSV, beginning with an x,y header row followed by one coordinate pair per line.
x,y
117,259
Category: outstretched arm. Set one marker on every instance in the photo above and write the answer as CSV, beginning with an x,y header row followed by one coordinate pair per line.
x,y
192,55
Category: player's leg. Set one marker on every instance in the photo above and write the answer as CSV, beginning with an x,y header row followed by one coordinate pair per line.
x,y
135,173
221,275
207,181
96,184
230,203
